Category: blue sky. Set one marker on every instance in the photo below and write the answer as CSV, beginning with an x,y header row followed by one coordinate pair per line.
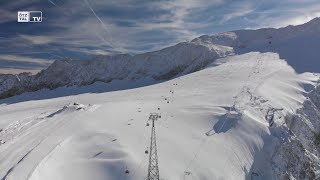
x,y
80,29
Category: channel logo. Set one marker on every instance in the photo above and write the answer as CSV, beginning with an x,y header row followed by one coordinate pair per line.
x,y
29,16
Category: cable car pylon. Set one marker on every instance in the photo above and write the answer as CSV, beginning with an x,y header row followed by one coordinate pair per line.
x,y
153,169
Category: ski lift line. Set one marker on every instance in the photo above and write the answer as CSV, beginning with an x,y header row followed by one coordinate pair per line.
x,y
142,159
153,169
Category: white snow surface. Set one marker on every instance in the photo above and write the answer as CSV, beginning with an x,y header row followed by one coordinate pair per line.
x,y
226,121
298,45
213,127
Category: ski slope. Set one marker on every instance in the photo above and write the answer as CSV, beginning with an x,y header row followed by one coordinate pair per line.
x,y
216,124
298,45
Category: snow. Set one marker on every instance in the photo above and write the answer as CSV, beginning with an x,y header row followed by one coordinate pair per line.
x,y
298,45
217,125
239,105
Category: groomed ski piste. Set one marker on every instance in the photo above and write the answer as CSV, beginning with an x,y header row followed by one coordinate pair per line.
x,y
226,121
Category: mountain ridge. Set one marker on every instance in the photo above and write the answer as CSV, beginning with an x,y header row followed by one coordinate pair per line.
x,y
176,60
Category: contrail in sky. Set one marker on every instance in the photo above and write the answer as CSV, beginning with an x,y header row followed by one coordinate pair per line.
x,y
102,23
52,3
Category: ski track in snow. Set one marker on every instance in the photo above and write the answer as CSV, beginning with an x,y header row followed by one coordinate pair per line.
x,y
44,117
48,155
12,168
247,102
217,123
244,102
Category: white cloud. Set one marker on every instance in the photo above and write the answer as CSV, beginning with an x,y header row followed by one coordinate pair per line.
x,y
240,10
18,58
7,16
173,21
303,18
38,40
288,12
18,71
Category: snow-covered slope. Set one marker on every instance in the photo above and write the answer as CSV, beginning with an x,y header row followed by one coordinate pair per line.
x,y
180,59
223,122
297,44
251,114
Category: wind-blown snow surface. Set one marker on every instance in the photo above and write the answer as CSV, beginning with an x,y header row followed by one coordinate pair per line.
x,y
223,122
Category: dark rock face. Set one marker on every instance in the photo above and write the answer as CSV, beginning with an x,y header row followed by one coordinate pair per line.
x,y
176,60
180,59
298,157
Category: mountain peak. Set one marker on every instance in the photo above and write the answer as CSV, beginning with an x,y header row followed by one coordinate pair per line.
x,y
176,60
313,22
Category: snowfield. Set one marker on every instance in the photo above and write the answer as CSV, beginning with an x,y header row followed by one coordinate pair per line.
x,y
214,126
247,115
298,45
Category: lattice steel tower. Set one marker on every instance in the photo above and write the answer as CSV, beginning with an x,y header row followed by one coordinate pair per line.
x,y
153,169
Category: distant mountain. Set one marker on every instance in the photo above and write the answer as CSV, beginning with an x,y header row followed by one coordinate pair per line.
x,y
299,45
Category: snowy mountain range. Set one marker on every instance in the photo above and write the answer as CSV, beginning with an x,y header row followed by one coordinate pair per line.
x,y
235,105
176,60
